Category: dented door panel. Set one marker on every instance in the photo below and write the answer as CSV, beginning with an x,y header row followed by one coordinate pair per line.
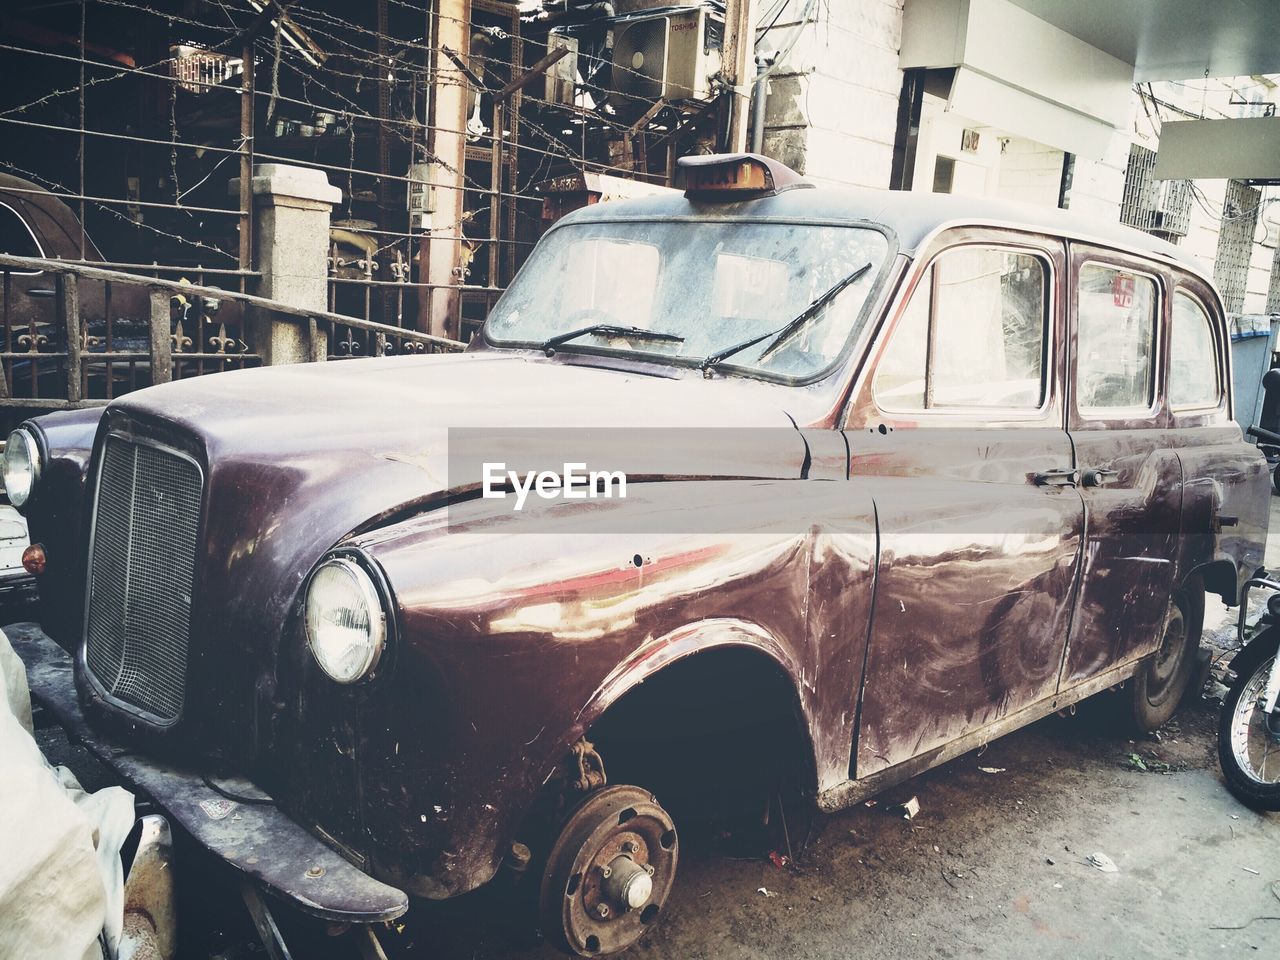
x,y
973,595
1133,521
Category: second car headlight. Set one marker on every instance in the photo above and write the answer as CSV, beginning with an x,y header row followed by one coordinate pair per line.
x,y
346,626
21,466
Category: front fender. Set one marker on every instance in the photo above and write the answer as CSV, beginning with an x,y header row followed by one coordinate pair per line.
x,y
513,641
57,516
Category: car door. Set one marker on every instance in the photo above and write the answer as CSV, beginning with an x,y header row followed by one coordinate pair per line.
x,y
959,432
1131,480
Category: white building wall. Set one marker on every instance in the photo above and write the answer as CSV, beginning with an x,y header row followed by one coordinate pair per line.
x,y
833,98
1029,172
1097,186
833,106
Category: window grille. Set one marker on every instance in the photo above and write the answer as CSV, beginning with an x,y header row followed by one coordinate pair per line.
x,y
1235,243
1160,207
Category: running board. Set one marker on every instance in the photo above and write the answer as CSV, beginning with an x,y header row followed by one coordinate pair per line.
x,y
849,792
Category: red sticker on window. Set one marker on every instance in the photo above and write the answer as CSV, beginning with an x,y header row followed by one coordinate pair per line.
x,y
1122,290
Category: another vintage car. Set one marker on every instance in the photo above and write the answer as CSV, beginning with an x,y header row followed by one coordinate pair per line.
x,y
903,473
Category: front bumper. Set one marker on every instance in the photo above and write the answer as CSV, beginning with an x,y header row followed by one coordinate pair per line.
x,y
256,839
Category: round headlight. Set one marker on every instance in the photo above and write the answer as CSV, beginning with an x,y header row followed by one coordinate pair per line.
x,y
346,628
21,466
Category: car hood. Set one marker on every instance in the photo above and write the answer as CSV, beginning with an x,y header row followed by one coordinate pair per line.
x,y
302,456
296,459
404,418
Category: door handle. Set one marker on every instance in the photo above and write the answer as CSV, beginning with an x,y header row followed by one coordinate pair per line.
x,y
1098,477
1057,478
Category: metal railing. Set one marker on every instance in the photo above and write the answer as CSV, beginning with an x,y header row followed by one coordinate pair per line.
x,y
75,335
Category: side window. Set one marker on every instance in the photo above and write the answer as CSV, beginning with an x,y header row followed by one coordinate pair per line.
x,y
1193,361
971,337
16,238
1115,340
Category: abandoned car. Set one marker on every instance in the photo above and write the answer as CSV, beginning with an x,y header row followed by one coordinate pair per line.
x,y
903,473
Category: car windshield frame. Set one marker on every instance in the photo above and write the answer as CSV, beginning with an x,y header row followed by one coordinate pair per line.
x,y
857,332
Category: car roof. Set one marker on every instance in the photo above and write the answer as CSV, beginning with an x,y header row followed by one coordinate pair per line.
x,y
913,217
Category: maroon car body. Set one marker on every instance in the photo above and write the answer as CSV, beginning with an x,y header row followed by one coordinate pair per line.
x,y
918,571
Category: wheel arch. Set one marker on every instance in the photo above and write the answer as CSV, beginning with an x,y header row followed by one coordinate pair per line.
x,y
1217,576
758,660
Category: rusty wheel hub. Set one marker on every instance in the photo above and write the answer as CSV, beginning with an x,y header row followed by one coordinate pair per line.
x,y
609,871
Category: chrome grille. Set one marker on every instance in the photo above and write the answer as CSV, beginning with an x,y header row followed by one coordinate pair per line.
x,y
141,566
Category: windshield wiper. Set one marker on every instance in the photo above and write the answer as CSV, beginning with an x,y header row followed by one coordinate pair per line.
x,y
787,331
611,330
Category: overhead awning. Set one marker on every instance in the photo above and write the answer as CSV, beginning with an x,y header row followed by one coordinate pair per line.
x,y
1247,149
1173,39
995,103
1019,73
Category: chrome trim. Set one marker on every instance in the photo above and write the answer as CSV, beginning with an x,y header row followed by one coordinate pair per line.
x,y
372,595
1181,290
1092,240
1159,375
1262,581
1049,378
36,457
34,239
82,653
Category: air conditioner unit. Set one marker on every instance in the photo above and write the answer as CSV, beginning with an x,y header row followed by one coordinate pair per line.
x,y
671,55
563,74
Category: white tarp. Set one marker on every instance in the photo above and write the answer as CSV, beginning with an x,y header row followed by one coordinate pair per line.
x,y
61,883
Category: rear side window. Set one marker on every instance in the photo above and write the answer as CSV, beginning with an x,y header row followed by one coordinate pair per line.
x,y
971,337
16,238
1193,361
1115,340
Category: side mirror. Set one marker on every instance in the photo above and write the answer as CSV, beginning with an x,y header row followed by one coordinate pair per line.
x,y
1271,380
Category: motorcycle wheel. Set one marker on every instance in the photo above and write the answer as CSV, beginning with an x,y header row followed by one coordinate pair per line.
x,y
1248,739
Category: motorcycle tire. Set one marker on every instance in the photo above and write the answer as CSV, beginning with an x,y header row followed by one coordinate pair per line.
x,y
1252,788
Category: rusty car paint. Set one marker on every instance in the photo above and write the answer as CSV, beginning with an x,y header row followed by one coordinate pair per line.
x,y
494,615
920,590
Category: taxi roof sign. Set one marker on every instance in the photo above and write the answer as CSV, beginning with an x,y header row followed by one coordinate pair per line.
x,y
734,176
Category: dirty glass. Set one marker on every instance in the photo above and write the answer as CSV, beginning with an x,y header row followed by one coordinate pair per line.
x,y
715,283
1115,340
1193,362
972,336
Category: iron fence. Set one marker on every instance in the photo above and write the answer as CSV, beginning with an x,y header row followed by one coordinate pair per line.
x,y
78,335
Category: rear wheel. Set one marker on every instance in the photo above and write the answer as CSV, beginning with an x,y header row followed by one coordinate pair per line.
x,y
1161,683
609,872
1248,738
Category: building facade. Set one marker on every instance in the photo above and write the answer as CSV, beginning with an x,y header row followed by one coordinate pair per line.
x,y
985,97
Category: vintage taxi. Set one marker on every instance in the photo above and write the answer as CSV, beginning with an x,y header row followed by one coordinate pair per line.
x,y
903,473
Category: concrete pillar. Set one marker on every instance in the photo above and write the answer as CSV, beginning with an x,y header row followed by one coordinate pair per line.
x,y
291,208
450,98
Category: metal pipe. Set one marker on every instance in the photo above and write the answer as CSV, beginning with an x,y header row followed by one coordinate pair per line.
x,y
759,99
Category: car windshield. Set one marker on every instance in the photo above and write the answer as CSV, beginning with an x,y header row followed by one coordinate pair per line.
x,y
708,284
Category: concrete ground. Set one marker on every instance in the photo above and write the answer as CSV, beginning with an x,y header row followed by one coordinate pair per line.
x,y
995,864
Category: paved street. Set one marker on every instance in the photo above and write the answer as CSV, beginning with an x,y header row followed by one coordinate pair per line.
x,y
994,865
